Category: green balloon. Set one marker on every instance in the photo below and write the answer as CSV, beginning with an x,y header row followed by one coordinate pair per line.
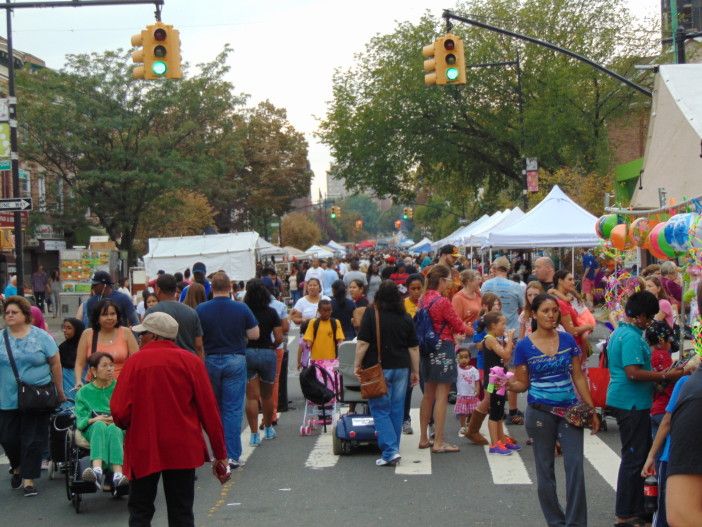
x,y
609,222
664,245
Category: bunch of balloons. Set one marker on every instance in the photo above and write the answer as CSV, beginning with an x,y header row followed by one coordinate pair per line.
x,y
681,234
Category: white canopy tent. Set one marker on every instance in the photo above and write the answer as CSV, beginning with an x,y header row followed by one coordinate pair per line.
x,y
336,248
319,252
555,222
422,246
479,236
461,231
234,253
672,158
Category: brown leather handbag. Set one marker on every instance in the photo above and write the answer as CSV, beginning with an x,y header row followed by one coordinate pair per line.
x,y
372,379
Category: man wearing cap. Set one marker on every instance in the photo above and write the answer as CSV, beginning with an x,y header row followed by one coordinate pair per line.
x,y
448,256
163,400
101,288
199,272
189,329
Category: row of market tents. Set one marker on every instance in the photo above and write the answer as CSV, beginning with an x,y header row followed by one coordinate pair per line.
x,y
557,221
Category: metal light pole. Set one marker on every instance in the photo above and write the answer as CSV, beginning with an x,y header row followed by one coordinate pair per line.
x,y
12,103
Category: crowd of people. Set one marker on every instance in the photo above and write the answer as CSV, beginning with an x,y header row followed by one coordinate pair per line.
x,y
213,348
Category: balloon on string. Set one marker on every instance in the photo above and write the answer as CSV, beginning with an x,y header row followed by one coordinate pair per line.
x,y
695,232
618,237
653,246
639,230
677,231
663,243
607,223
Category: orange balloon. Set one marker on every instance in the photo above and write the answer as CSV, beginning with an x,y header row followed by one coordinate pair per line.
x,y
619,236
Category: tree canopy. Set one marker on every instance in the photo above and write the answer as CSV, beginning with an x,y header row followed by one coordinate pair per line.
x,y
121,147
391,134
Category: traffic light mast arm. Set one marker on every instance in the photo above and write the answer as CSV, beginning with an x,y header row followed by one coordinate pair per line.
x,y
449,15
79,3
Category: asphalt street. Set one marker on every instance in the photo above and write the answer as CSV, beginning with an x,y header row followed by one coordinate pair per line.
x,y
297,481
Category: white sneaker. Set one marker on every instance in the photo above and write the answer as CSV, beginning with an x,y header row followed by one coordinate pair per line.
x,y
407,427
462,432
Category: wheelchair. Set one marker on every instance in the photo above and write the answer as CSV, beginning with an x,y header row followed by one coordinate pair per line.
x,y
74,460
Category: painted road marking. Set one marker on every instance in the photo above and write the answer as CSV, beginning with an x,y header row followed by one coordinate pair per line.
x,y
603,459
506,470
322,455
415,461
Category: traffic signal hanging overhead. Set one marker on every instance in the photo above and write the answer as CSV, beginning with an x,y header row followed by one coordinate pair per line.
x,y
159,53
445,61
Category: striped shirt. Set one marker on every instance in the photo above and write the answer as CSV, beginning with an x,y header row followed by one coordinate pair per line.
x,y
549,377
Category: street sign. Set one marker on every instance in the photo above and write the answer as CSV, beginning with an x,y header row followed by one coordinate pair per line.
x,y
4,110
5,164
15,204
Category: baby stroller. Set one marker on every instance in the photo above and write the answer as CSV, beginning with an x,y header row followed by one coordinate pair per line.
x,y
76,459
319,384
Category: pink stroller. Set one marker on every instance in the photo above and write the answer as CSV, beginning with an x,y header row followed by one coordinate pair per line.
x,y
320,386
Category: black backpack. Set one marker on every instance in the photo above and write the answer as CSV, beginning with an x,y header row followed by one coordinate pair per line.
x,y
313,389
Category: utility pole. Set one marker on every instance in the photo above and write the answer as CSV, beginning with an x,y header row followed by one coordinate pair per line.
x,y
9,6
674,33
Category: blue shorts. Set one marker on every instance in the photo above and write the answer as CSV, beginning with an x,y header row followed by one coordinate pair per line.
x,y
261,362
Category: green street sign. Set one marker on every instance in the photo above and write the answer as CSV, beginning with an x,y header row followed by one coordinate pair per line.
x,y
5,164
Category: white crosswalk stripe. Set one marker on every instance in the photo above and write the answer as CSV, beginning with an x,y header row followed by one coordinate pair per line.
x,y
505,470
415,461
603,459
322,455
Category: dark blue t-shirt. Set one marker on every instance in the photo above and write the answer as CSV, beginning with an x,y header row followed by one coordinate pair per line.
x,y
549,377
224,324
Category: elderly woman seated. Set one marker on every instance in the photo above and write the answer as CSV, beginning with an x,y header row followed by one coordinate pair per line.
x,y
95,423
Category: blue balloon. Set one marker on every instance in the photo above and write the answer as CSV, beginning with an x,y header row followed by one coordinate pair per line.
x,y
679,229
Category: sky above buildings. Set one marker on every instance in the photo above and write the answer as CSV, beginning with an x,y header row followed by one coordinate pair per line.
x,y
285,51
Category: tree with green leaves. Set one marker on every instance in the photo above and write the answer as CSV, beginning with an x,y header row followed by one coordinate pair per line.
x,y
391,134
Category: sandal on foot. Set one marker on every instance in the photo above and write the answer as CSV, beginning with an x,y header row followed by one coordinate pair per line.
x,y
517,418
445,449
426,445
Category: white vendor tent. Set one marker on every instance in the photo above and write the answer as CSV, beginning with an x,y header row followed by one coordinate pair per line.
x,y
672,158
234,253
478,237
422,246
336,248
555,222
454,237
319,252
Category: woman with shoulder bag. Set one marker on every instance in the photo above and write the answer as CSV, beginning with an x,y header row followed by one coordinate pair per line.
x,y
387,329
24,434
548,365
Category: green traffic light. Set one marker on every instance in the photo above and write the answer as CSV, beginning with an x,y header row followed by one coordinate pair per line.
x,y
452,74
159,67
333,216
404,216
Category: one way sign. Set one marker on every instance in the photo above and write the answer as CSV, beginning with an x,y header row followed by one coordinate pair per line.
x,y
15,204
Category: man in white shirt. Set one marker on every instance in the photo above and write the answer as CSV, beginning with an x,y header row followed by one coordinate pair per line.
x,y
315,271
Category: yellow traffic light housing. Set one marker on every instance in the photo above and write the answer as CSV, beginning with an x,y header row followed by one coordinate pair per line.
x,y
446,62
159,54
410,213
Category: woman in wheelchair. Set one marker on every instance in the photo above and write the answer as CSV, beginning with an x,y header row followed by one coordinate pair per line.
x,y
94,421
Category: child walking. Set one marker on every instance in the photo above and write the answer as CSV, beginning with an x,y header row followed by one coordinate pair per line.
x,y
497,350
467,389
322,335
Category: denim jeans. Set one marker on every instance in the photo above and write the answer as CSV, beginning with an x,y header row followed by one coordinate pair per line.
x,y
228,377
660,519
408,402
545,429
388,411
635,434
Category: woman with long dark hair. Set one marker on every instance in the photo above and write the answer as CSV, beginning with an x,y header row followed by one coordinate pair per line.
x,y
342,309
548,365
399,360
105,334
68,349
261,360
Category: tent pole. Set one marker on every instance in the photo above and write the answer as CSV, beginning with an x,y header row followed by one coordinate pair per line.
x,y
572,261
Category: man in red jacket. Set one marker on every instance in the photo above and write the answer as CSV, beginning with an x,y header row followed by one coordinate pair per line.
x,y
163,400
